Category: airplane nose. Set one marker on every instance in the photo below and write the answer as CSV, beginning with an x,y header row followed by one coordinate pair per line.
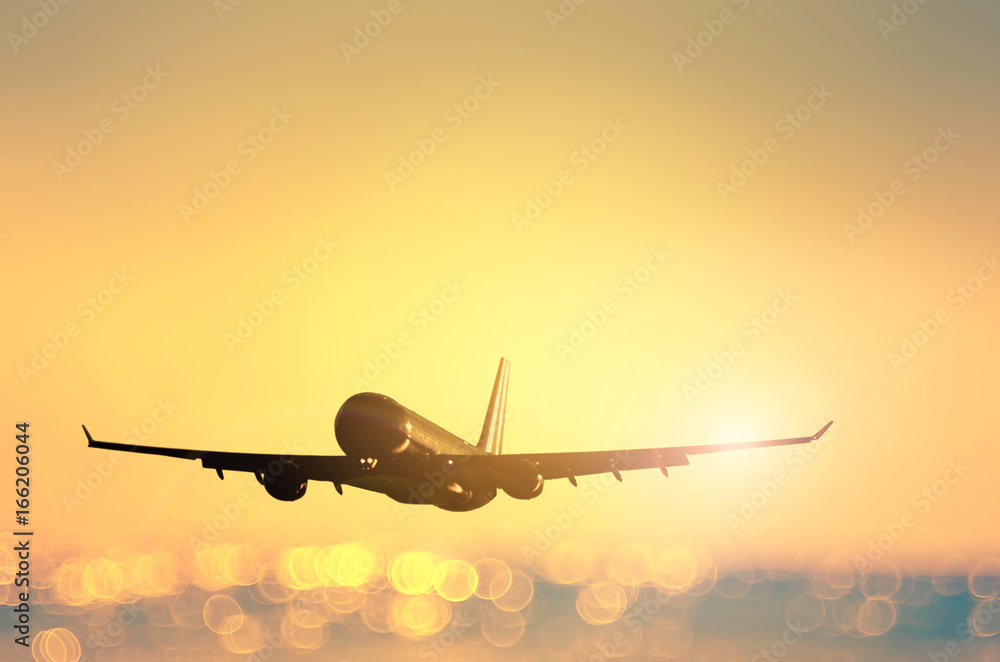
x,y
370,424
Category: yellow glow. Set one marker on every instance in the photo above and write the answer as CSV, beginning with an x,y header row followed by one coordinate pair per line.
x,y
168,288
223,615
56,645
412,572
455,580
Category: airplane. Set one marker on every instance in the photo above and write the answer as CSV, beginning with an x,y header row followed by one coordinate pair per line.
x,y
394,451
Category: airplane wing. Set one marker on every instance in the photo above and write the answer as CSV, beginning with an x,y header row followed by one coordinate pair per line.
x,y
337,469
573,464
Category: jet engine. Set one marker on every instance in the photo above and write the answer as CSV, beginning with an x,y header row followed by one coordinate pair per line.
x,y
287,485
522,480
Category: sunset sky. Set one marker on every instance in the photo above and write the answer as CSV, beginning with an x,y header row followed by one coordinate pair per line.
x,y
218,215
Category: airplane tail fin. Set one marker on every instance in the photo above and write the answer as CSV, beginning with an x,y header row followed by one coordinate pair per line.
x,y
491,440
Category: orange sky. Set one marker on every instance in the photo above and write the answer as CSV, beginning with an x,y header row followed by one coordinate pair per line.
x,y
711,203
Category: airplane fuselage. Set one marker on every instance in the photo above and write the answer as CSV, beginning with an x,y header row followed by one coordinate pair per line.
x,y
399,450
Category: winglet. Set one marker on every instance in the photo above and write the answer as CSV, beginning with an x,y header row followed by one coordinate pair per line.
x,y
822,430
90,440
491,440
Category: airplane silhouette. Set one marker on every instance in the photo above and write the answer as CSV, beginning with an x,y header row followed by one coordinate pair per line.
x,y
394,451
